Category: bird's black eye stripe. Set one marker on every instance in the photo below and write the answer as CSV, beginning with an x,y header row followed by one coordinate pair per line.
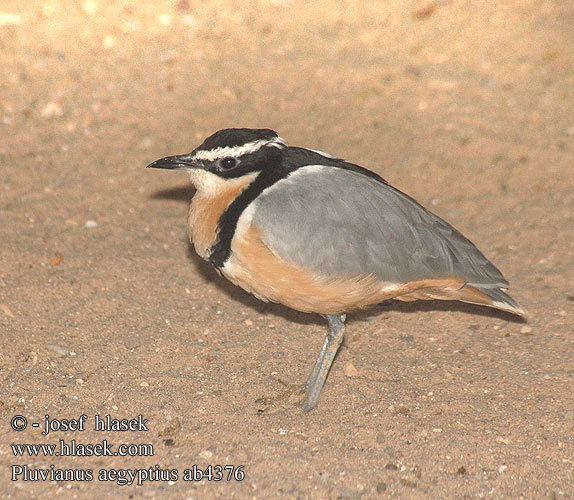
x,y
227,163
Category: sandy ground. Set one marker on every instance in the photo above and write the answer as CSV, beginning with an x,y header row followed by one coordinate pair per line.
x,y
105,309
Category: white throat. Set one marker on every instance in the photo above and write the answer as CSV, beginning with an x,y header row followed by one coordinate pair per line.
x,y
210,184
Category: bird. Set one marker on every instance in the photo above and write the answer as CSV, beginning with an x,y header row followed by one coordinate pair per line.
x,y
322,235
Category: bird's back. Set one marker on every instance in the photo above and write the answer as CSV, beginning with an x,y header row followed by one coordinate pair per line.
x,y
339,222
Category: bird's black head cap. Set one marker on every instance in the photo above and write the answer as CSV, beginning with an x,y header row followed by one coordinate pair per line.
x,y
231,137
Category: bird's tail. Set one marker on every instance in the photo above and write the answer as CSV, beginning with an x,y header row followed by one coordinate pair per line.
x,y
499,299
452,288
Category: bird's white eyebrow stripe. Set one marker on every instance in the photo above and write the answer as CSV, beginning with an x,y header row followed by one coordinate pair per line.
x,y
236,151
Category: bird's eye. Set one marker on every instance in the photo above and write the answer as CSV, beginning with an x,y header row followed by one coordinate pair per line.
x,y
227,163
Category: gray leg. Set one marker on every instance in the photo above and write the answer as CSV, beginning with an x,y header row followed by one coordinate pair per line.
x,y
331,345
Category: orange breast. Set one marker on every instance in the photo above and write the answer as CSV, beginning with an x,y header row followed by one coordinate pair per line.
x,y
206,209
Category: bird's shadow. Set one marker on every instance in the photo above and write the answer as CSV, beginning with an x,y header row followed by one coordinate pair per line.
x,y
207,272
180,193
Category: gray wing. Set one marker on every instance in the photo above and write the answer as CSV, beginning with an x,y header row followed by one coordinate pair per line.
x,y
340,223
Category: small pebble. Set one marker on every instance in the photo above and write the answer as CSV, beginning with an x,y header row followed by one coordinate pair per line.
x,y
7,311
164,19
526,329
90,224
442,84
402,410
52,109
350,370
89,6
145,144
172,427
109,42
425,10
182,5
56,260
58,349
188,20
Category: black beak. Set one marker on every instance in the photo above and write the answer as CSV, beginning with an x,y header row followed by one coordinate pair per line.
x,y
179,162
